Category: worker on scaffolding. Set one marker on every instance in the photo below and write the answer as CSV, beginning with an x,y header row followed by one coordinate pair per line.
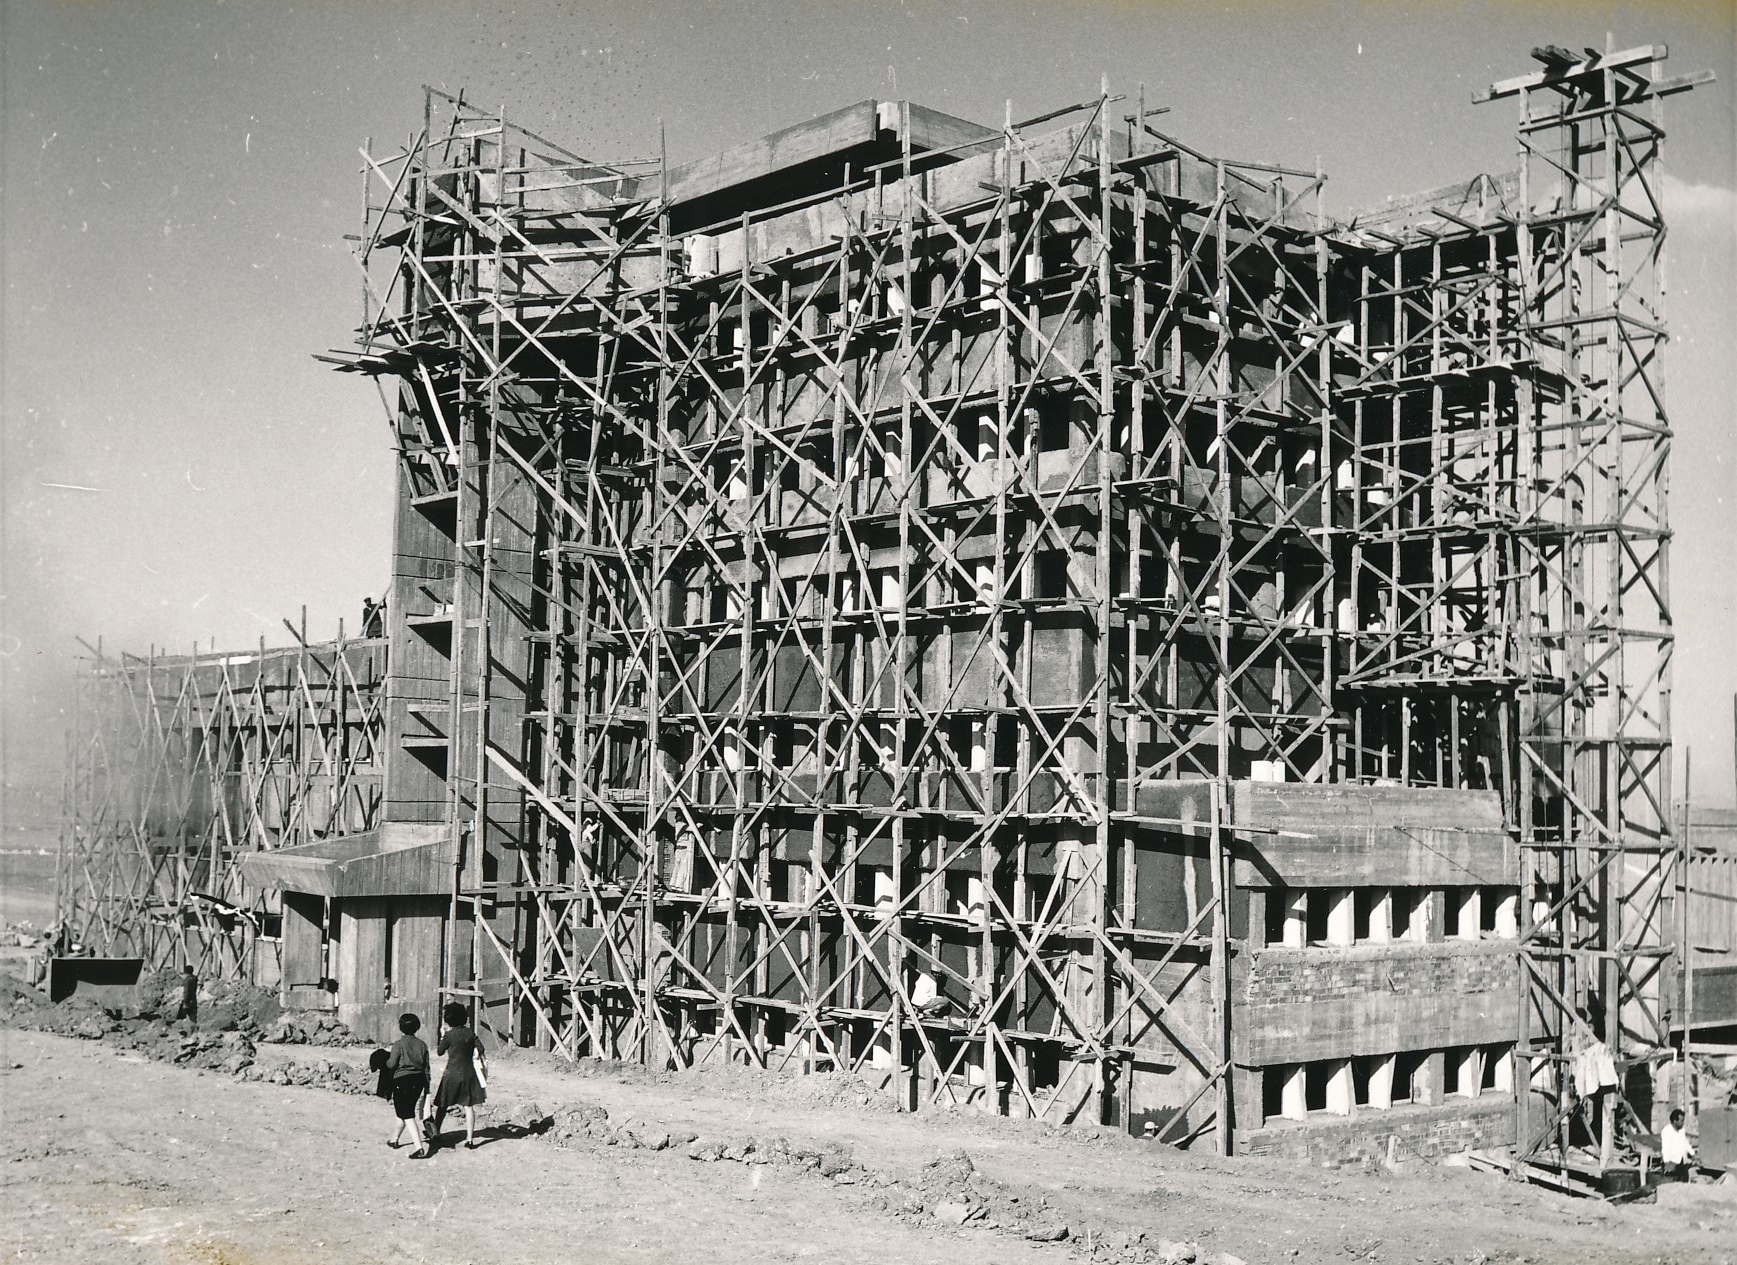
x,y
373,617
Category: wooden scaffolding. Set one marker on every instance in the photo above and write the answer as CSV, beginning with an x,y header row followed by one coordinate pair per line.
x,y
845,588
856,602
179,765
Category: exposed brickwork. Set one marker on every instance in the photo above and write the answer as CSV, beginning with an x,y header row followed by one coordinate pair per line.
x,y
1423,1132
1285,976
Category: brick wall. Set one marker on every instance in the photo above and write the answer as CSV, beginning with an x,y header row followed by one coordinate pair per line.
x,y
1425,1133
1280,976
1300,1005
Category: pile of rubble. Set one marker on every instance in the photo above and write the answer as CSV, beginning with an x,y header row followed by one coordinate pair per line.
x,y
234,1019
310,1028
340,1077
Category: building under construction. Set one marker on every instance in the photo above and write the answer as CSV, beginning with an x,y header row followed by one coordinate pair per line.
x,y
1028,614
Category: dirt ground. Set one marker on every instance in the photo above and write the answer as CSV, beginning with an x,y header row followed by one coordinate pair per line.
x,y
107,1155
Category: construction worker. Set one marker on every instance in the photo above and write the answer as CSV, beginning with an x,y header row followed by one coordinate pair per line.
x,y
1676,1152
189,1007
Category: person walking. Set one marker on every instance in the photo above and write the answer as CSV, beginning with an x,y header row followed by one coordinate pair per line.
x,y
408,1066
464,1082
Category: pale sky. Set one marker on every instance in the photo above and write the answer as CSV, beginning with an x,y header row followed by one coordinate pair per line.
x,y
178,178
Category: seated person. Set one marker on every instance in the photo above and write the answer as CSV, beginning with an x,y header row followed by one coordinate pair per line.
x,y
1676,1152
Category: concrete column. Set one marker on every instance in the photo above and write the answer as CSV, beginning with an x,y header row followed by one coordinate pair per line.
x,y
1504,1070
1471,912
1340,1091
1381,917
1248,1109
1381,1084
1431,909
979,745
1296,917
1427,1088
1508,915
983,580
883,879
1294,1100
1341,916
1257,917
1471,1072
1417,916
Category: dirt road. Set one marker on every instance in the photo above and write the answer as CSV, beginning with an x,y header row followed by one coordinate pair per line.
x,y
105,1156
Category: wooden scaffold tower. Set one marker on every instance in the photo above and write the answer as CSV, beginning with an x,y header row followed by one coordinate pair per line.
x,y
1593,536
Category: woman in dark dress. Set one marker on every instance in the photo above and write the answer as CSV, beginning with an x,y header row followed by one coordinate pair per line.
x,y
464,1083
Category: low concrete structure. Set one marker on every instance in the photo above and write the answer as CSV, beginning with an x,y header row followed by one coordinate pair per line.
x,y
364,922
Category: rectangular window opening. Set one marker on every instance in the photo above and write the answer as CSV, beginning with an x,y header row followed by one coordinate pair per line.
x,y
1050,574
1404,907
1044,1063
1278,905
1053,426
1273,1082
1362,1073
777,1025
1498,1069
1407,1076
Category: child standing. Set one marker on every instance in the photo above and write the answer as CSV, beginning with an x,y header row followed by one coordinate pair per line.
x,y
408,1065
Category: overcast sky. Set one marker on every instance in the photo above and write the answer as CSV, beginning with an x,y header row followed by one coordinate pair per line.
x,y
178,178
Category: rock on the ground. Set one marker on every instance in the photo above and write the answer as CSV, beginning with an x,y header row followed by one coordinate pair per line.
x,y
285,1031
835,1160
577,1121
952,1169
951,1212
1048,1234
222,1017
529,1117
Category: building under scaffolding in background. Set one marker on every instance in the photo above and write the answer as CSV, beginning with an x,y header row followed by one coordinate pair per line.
x,y
1033,615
